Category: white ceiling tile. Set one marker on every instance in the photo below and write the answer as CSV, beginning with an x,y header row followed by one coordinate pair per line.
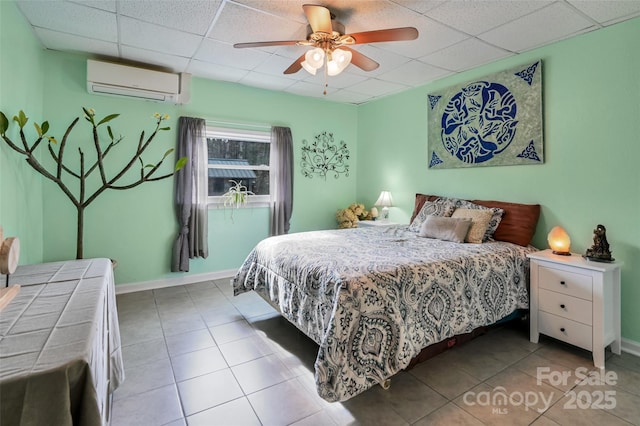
x,y
288,9
108,5
465,55
420,6
190,16
238,24
170,62
68,42
475,17
610,11
542,27
414,73
171,34
225,54
266,81
340,81
387,59
432,37
71,18
348,96
305,88
379,87
160,39
275,65
216,72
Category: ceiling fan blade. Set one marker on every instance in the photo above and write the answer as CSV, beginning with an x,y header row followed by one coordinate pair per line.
x,y
319,18
266,43
377,36
296,66
361,61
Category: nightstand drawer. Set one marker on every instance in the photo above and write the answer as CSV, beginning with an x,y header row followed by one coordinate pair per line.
x,y
566,330
565,306
570,283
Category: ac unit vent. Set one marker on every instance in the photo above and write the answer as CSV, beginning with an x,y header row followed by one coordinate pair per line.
x,y
121,80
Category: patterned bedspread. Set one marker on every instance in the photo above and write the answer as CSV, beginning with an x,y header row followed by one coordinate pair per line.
x,y
373,298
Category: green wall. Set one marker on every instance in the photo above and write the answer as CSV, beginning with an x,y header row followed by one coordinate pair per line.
x,y
590,175
21,87
137,227
591,118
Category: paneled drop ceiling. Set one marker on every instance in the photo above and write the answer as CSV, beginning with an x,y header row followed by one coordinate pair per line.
x,y
197,37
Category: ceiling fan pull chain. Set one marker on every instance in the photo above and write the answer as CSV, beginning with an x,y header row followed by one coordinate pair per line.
x,y
326,74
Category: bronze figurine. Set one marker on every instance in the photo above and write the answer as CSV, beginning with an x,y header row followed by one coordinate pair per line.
x,y
600,249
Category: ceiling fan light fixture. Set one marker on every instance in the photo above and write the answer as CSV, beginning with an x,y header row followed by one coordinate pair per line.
x,y
311,70
340,59
314,58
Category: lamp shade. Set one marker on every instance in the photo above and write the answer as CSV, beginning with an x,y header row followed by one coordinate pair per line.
x,y
385,199
314,57
338,61
559,241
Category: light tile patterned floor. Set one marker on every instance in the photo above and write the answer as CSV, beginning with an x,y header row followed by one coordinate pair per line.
x,y
196,355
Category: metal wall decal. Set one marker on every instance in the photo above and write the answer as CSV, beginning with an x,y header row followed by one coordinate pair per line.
x,y
323,156
492,121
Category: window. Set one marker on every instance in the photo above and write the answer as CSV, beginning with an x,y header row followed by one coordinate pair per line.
x,y
239,155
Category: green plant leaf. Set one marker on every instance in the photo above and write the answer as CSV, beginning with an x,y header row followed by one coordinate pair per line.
x,y
4,123
38,129
52,140
169,151
149,166
165,128
108,118
181,163
110,132
45,127
21,119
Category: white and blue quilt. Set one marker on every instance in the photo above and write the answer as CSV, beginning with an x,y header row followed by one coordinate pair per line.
x,y
373,298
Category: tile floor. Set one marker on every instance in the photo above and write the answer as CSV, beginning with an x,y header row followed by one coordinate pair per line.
x,y
196,355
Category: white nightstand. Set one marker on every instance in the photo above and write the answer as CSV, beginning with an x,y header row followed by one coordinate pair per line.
x,y
577,301
365,223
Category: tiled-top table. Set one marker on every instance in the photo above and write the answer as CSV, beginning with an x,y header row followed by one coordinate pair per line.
x,y
60,355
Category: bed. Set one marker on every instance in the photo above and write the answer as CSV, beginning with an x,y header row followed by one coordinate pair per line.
x,y
373,298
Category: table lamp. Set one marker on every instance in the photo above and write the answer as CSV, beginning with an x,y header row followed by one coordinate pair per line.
x,y
385,201
559,241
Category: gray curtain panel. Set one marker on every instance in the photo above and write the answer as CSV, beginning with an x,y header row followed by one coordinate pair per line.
x,y
281,169
191,194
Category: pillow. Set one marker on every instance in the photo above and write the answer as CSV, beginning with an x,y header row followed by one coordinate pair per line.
x,y
420,200
480,222
496,216
518,222
517,225
430,208
445,228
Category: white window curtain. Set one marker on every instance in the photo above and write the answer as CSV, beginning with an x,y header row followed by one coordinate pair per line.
x,y
281,173
191,194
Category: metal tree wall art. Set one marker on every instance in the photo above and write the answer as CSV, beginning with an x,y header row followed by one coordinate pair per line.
x,y
323,157
62,173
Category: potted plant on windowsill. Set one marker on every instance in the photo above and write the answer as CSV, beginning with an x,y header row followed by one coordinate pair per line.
x,y
237,196
84,191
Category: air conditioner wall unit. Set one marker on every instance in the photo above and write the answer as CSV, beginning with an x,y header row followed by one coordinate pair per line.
x,y
122,80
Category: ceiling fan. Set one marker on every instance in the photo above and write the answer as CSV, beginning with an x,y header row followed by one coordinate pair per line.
x,y
329,41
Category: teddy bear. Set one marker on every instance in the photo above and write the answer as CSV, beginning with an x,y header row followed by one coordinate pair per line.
x,y
349,217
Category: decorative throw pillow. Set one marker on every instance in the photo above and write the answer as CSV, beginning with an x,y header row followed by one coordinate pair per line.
x,y
496,215
445,228
431,209
480,221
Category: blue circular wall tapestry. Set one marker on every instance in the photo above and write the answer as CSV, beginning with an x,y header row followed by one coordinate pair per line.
x,y
479,122
493,121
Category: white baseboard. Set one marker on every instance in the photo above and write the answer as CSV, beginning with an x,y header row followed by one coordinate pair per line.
x,y
172,282
630,346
